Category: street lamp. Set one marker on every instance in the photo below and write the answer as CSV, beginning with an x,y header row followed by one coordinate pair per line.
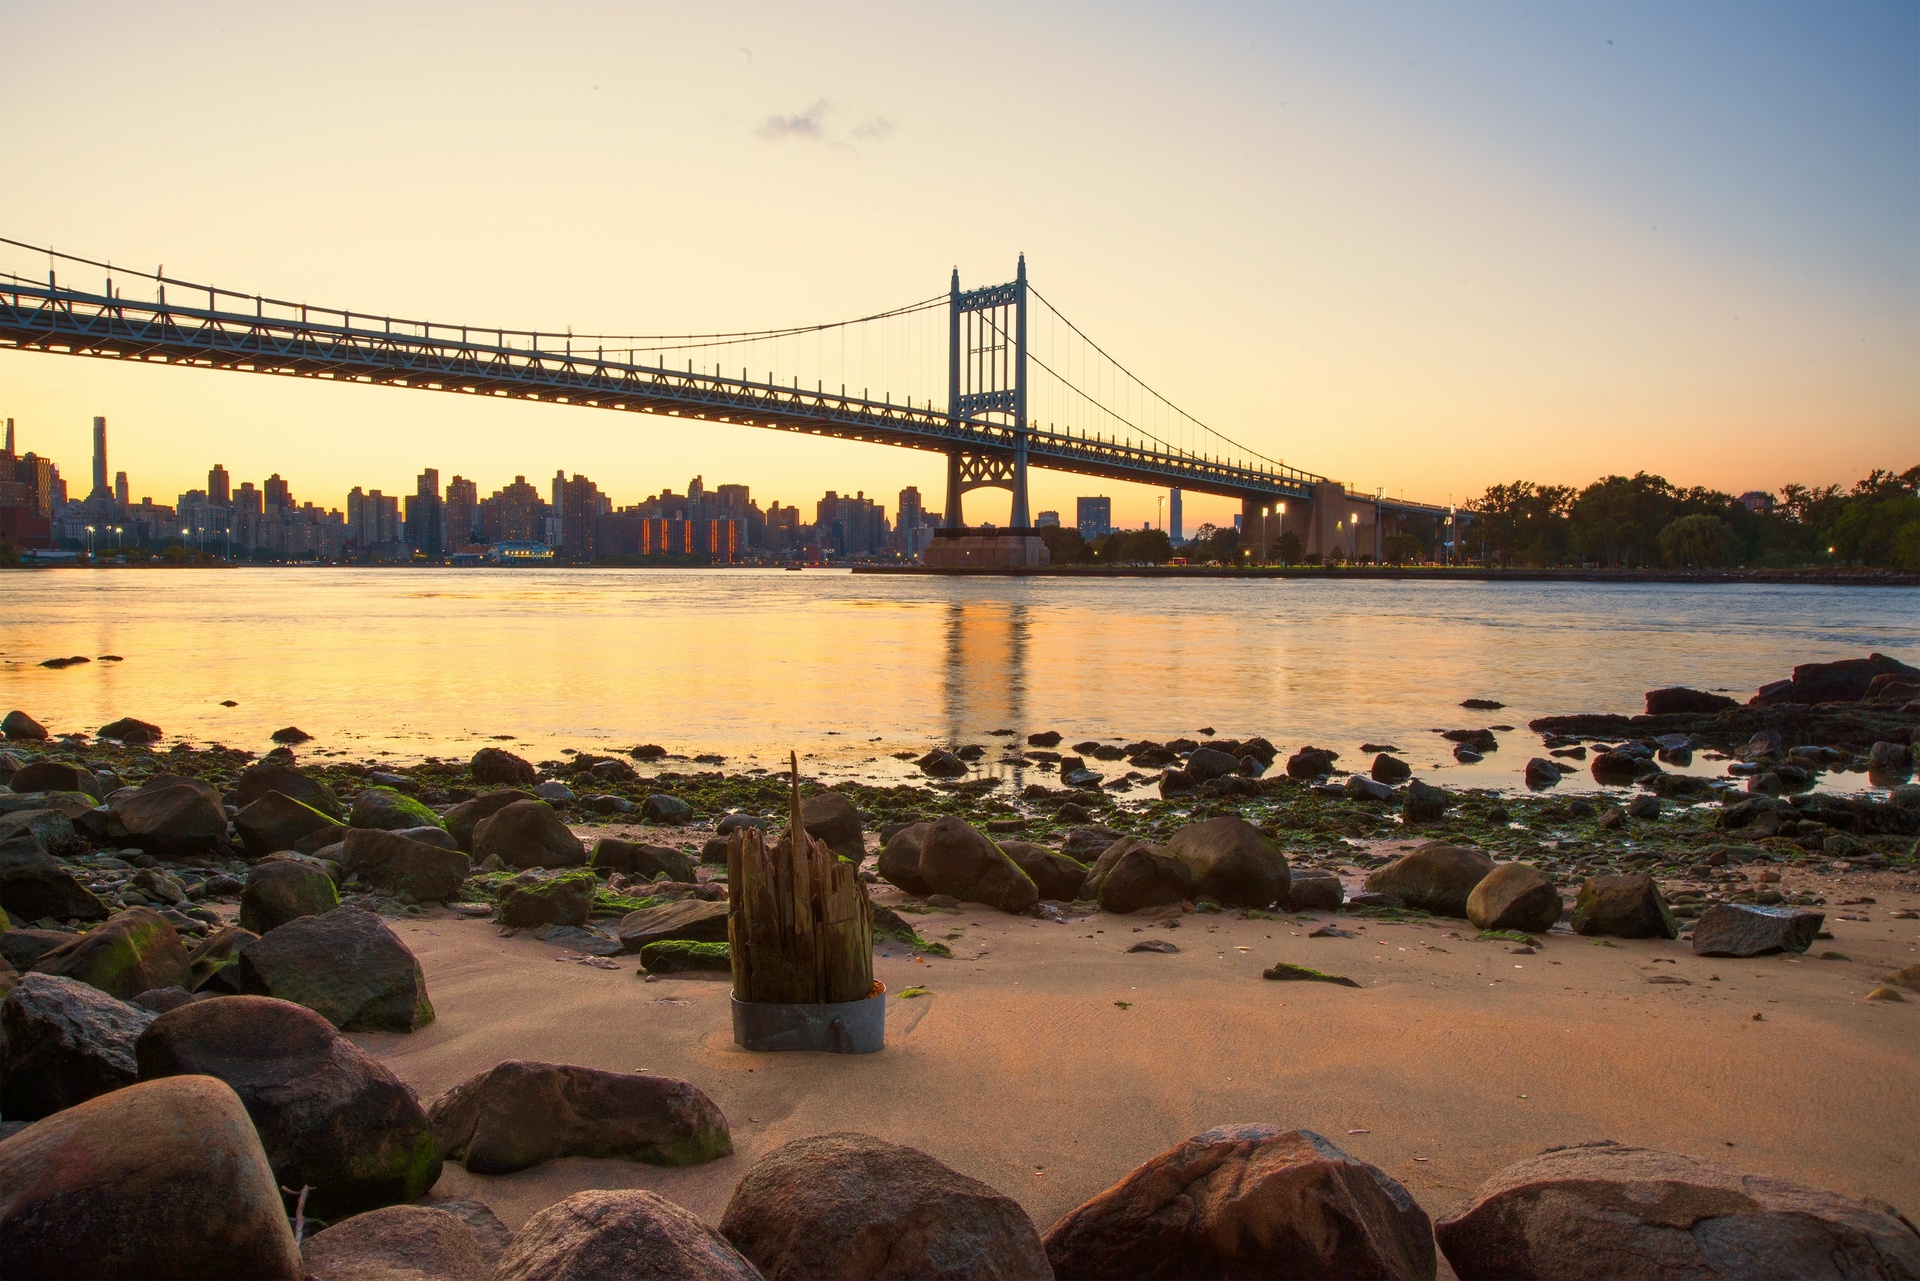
x,y
89,540
1263,535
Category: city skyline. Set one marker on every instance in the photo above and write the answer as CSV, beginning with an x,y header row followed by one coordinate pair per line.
x,y
1423,250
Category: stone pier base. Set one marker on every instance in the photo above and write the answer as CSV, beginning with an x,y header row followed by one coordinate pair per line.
x,y
985,549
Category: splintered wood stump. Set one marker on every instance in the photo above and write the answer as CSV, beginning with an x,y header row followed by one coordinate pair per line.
x,y
799,921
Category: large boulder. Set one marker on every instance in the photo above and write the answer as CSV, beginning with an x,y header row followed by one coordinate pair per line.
x,y
690,920
1627,907
547,898
1087,844
282,890
957,859
1206,763
1056,876
1389,770
66,1042
1247,1201
1846,681
461,819
592,1236
527,833
131,730
330,1116
35,885
162,1180
382,807
1436,877
517,1114
1425,803
422,871
129,953
497,767
1735,929
56,776
19,726
667,811
849,1207
20,948
1232,862
276,821
1515,896
899,862
216,962
634,858
1311,762
1609,1212
346,966
397,1243
271,776
173,817
1679,700
1134,874
51,827
1315,890
258,780
831,817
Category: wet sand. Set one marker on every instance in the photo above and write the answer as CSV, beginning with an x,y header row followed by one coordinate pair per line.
x,y
1023,1068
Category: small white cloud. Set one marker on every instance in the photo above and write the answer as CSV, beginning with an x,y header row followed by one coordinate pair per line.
x,y
810,123
873,129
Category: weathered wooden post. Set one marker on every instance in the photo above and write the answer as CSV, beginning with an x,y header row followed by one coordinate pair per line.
x,y
800,928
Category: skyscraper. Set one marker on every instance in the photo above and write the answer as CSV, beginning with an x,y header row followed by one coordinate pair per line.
x,y
462,520
100,489
120,488
1093,517
1174,532
426,515
219,485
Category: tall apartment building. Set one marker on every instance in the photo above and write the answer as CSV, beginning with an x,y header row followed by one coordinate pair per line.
x,y
30,489
514,514
462,516
1093,517
850,525
426,515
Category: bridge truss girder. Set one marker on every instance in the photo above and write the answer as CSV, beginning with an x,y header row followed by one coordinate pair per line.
x,y
297,341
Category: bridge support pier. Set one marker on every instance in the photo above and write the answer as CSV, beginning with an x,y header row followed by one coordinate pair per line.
x,y
952,518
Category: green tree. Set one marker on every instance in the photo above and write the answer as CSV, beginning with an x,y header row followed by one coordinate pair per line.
x,y
1401,548
1617,520
1287,548
1065,546
1699,539
1520,524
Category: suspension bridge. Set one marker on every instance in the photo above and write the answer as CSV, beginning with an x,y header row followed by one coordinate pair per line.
x,y
1024,386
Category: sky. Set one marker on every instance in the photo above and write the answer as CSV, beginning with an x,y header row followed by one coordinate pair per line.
x,y
1419,248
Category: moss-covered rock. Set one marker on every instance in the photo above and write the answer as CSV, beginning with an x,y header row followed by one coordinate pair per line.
x,y
675,955
385,808
533,898
129,953
282,890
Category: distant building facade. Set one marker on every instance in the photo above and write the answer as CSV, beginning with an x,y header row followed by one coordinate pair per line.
x,y
1093,517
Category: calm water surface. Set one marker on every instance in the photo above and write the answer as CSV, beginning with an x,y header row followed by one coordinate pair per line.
x,y
849,669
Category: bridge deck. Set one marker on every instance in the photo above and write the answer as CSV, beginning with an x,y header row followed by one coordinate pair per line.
x,y
448,358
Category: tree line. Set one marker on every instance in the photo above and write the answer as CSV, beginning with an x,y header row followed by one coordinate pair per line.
x,y
1623,522
1643,520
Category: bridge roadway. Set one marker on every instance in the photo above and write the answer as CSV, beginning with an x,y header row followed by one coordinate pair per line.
x,y
300,341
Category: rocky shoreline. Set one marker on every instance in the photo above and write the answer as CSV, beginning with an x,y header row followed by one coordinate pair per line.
x,y
178,917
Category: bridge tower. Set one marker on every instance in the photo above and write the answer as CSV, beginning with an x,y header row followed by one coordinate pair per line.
x,y
987,386
987,409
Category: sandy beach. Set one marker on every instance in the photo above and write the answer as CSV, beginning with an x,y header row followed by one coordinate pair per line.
x,y
1047,1060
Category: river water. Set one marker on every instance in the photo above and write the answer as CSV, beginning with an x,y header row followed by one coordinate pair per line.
x,y
849,669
